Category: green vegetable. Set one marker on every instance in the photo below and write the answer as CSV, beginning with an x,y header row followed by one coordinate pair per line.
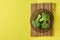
x,y
45,25
42,21
45,17
36,24
39,16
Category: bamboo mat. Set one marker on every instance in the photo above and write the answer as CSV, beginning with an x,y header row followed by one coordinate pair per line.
x,y
35,7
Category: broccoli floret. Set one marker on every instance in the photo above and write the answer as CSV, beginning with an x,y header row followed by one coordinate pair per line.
x,y
45,25
38,17
45,17
36,24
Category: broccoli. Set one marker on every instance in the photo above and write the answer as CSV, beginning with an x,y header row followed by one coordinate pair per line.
x,y
45,25
36,24
45,17
39,16
42,21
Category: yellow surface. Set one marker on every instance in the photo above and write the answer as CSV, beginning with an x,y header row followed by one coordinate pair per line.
x,y
15,20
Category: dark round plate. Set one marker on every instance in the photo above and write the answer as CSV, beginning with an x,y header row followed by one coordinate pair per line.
x,y
34,16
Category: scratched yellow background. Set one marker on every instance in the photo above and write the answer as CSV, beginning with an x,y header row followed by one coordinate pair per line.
x,y
15,20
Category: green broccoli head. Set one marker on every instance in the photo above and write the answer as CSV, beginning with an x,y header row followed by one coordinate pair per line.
x,y
45,17
36,24
45,25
